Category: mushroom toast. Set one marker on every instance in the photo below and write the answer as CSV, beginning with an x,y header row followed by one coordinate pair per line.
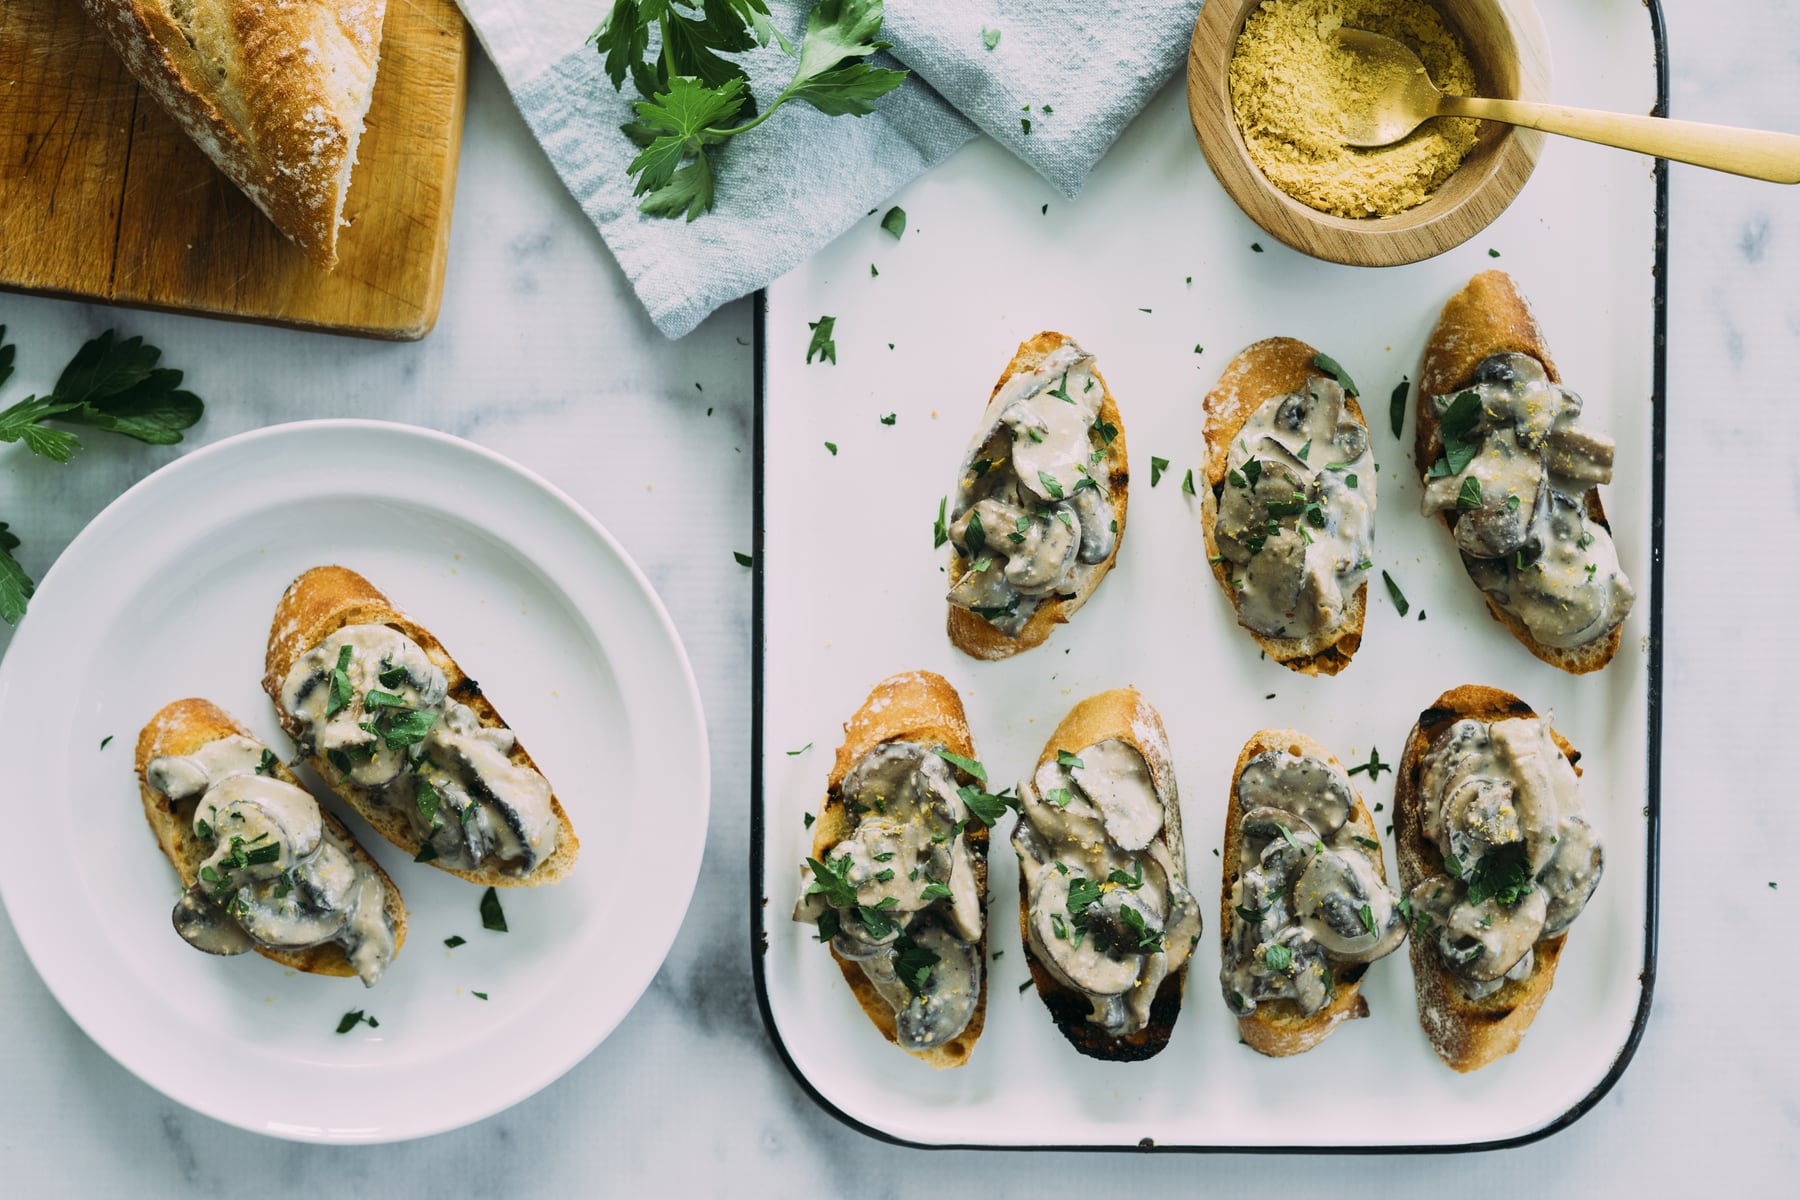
x,y
1306,905
1289,509
899,868
1515,477
1497,861
392,724
1039,507
266,868
1104,910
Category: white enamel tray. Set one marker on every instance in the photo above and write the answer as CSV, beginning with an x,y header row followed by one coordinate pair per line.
x,y
1158,273
168,594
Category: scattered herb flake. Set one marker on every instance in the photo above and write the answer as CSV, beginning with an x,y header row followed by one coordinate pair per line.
x,y
109,737
1257,247
1394,593
743,560
1493,253
1374,766
455,940
1157,467
492,916
1330,366
990,37
832,446
351,1020
822,343
1397,406
1187,482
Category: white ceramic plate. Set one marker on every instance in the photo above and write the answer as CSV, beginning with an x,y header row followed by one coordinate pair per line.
x,y
168,594
1151,265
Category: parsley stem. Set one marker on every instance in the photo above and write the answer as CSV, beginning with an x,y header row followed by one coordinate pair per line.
x,y
753,122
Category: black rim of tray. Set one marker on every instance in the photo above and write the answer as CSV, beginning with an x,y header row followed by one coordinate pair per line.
x,y
1653,809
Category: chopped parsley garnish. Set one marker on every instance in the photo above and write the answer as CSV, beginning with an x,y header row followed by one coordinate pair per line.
x,y
913,963
1051,485
479,995
1454,427
1024,987
934,891
455,940
341,692
1512,503
975,536
833,881
1502,875
1585,540
875,918
822,343
1469,496
890,418
492,916
1278,958
1303,451
990,37
1157,467
1149,940
1366,843
742,559
266,764
1253,915
1061,390
1288,835
408,729
1330,366
1059,797
1395,594
967,765
1065,759
985,808
800,751
351,1020
894,221
1058,927
832,446
203,829
1374,766
109,737
1397,406
1256,247
806,820
939,532
1493,253
1368,919
1187,482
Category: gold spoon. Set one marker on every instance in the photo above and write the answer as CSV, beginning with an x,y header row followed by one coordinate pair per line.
x,y
1400,96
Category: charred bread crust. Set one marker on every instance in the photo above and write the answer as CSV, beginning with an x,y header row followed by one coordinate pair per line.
x,y
274,94
974,636
1277,1028
1467,1034
1491,316
1270,368
915,706
318,604
1113,714
183,727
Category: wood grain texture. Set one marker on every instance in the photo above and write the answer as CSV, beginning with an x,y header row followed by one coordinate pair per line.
x,y
1509,49
103,198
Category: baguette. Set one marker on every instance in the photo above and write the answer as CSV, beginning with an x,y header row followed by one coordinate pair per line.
x,y
184,727
327,599
1489,317
274,91
1090,849
915,707
1466,1033
989,473
1331,614
1279,1027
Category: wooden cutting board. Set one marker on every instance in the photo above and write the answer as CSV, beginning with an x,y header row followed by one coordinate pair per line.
x,y
103,198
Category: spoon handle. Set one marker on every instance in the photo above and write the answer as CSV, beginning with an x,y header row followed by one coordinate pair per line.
x,y
1760,155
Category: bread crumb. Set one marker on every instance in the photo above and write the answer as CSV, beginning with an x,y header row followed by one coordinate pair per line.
x,y
1290,81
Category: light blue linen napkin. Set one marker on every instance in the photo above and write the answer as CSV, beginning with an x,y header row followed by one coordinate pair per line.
x,y
1056,88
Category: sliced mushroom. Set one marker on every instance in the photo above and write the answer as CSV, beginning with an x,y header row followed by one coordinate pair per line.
x,y
1347,908
515,799
1309,788
204,924
1052,439
1116,778
344,723
1099,528
1578,455
1041,563
1086,967
1480,816
179,776
1569,879
257,810
1514,507
943,1007
1483,942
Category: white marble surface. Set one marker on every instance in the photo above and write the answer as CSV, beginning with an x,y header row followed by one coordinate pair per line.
x,y
542,354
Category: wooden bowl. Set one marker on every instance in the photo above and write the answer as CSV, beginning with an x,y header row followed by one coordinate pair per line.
x,y
1507,47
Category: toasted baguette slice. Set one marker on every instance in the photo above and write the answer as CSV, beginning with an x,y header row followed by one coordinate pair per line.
x,y
1270,368
324,600
916,706
274,93
183,727
1490,316
1467,1034
976,637
1123,714
1277,1027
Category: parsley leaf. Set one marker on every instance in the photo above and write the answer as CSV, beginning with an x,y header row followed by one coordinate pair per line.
x,y
1278,958
1454,427
16,586
990,37
940,533
1330,366
1469,496
351,1020
913,963
833,881
968,765
1157,467
894,222
1395,594
822,343
492,916
1397,406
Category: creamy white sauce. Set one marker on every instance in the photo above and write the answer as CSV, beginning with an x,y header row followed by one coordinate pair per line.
x,y
1296,520
1031,516
914,905
278,875
1502,805
1309,894
385,722
1519,505
1108,910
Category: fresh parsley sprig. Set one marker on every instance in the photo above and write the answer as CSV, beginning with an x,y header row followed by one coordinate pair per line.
x,y
694,99
111,385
